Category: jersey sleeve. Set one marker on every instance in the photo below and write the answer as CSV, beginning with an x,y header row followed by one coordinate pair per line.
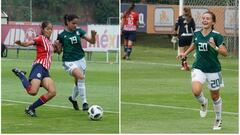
x,y
81,32
177,23
59,37
37,40
194,38
219,40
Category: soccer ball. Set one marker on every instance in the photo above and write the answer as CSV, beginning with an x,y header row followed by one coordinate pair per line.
x,y
95,112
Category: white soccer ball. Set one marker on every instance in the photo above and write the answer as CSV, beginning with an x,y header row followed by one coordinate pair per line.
x,y
95,112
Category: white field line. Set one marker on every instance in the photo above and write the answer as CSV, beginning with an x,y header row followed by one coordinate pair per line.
x,y
172,107
167,64
56,106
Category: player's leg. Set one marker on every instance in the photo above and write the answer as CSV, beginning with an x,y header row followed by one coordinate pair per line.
x,y
32,85
131,40
198,78
125,36
217,105
21,75
125,48
215,81
73,98
79,74
80,81
129,49
184,43
68,67
49,85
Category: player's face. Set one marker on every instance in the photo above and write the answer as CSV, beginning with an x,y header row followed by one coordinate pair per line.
x,y
207,21
47,31
72,25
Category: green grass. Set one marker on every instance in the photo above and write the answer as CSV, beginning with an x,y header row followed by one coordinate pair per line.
x,y
102,85
156,95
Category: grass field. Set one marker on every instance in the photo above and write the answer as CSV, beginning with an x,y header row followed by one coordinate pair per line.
x,y
156,95
57,116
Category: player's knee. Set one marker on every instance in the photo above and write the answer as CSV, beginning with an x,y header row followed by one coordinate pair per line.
x,y
215,97
53,93
32,93
196,93
80,77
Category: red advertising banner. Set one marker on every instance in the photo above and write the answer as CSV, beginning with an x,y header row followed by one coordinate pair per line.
x,y
12,32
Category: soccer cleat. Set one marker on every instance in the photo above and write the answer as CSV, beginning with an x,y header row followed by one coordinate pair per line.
x,y
124,57
85,107
30,112
217,125
203,109
17,72
74,103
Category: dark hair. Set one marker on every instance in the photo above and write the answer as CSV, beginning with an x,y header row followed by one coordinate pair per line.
x,y
213,16
132,6
69,17
188,11
44,25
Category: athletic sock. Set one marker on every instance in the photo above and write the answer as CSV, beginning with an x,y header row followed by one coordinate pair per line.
x,y
217,105
125,48
42,100
201,99
75,92
129,51
82,90
26,84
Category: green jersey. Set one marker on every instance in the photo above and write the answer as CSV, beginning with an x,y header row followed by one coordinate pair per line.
x,y
207,57
71,44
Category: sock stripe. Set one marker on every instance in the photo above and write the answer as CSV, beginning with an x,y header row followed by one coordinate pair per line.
x,y
219,100
43,99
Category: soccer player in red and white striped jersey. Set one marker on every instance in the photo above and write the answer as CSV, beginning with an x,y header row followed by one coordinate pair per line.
x,y
39,75
130,24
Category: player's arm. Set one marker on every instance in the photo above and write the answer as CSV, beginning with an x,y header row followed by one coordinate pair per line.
x,y
57,46
176,26
24,44
221,49
91,39
189,50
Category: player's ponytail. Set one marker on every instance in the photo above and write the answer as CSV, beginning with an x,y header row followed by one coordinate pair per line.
x,y
213,17
69,17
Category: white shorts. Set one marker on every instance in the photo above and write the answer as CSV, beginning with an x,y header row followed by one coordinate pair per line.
x,y
71,65
215,80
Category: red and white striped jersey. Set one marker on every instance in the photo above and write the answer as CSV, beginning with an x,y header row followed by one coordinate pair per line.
x,y
130,22
44,51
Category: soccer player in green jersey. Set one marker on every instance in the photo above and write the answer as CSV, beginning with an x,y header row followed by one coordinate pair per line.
x,y
208,44
73,56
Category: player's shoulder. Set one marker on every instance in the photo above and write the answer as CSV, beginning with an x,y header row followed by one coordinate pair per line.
x,y
62,33
216,34
38,38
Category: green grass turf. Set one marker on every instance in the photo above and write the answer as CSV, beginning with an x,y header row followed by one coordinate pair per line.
x,y
156,95
102,83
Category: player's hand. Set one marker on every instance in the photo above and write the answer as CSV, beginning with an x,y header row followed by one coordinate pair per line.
x,y
18,42
212,43
57,47
180,55
93,33
175,33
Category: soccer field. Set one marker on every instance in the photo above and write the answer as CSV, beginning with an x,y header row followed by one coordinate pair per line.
x,y
57,115
156,95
